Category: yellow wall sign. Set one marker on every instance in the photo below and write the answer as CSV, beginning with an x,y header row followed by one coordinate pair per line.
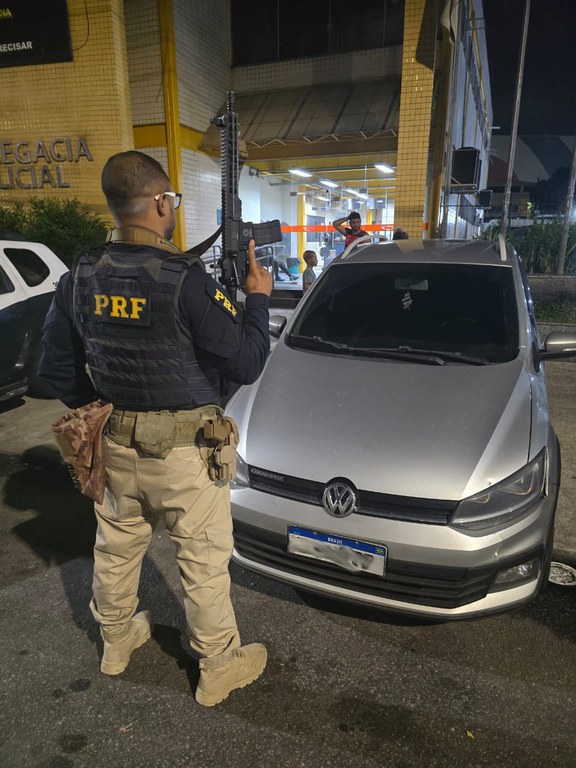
x,y
40,163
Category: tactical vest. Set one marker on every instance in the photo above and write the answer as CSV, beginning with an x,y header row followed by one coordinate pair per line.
x,y
125,307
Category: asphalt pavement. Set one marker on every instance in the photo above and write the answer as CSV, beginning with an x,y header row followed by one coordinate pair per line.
x,y
344,686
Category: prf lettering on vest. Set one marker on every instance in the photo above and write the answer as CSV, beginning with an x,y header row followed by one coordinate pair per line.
x,y
219,296
129,308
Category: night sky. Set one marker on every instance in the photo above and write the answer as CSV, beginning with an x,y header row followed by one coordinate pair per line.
x,y
548,105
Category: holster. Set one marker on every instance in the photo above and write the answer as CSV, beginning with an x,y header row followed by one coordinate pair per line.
x,y
79,438
221,435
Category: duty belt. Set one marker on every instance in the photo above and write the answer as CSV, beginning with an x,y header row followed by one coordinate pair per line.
x,y
155,433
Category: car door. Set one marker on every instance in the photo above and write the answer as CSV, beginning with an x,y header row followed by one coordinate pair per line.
x,y
30,274
12,329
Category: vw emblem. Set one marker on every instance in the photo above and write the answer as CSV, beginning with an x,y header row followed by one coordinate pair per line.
x,y
339,499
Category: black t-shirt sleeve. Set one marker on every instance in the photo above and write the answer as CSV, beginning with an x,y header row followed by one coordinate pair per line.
x,y
236,341
62,365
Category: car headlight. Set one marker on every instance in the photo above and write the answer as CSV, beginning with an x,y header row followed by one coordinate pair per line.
x,y
242,479
504,502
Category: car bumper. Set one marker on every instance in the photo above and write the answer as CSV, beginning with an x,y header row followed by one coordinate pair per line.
x,y
432,571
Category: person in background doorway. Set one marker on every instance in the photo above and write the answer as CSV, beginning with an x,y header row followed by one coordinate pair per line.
x,y
354,231
308,276
400,234
281,266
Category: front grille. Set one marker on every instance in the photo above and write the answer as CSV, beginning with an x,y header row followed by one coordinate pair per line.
x,y
433,585
416,510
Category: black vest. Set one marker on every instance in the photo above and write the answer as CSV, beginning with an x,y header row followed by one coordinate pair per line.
x,y
125,307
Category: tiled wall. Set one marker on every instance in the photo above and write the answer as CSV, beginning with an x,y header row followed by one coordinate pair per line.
x,y
87,98
144,61
202,195
202,59
350,67
415,116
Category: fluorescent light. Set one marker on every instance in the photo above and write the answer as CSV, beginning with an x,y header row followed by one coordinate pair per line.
x,y
324,199
357,194
298,172
328,183
384,168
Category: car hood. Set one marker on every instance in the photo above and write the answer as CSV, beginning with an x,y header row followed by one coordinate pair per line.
x,y
408,429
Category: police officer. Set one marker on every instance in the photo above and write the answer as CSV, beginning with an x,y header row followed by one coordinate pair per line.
x,y
159,337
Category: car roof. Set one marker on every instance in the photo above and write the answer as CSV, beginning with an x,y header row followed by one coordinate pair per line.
x,y
429,251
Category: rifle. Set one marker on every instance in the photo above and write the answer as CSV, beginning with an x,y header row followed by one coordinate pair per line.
x,y
236,234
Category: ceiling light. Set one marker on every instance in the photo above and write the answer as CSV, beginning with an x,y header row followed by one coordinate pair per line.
x,y
328,183
384,168
298,172
352,191
324,199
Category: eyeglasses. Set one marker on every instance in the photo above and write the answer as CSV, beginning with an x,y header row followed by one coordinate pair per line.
x,y
176,195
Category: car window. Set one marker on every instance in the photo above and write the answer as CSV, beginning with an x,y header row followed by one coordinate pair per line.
x,y
29,265
468,309
6,285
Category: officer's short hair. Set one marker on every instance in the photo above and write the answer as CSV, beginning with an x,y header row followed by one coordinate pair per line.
x,y
354,215
130,178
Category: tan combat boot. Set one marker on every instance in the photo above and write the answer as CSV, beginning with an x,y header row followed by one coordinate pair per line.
x,y
117,654
220,675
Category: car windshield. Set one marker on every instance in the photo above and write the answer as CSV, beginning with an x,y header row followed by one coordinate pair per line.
x,y
433,312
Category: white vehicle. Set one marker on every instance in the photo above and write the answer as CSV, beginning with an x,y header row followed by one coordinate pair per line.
x,y
29,273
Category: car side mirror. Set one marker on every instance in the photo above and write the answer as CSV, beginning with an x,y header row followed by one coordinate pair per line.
x,y
276,325
557,346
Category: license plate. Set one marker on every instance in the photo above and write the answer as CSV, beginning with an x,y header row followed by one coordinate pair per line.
x,y
350,554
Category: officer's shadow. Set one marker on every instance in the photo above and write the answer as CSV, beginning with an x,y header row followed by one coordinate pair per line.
x,y
62,533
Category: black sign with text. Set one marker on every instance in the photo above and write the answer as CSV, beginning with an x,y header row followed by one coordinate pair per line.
x,y
34,32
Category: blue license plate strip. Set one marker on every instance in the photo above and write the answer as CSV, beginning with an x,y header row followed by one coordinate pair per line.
x,y
350,554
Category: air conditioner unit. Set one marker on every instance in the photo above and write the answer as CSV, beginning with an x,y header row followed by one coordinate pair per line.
x,y
465,170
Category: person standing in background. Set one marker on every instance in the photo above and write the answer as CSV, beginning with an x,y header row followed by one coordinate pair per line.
x,y
354,231
308,276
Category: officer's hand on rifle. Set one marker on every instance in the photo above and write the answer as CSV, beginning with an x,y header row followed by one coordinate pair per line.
x,y
258,280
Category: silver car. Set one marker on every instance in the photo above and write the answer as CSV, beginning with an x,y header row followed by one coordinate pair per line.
x,y
397,450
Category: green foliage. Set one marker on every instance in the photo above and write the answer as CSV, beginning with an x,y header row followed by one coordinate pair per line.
x,y
491,233
556,311
539,245
12,217
65,226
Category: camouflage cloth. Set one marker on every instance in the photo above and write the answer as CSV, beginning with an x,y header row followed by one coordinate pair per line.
x,y
79,438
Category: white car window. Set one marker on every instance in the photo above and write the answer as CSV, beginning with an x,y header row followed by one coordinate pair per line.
x,y
29,265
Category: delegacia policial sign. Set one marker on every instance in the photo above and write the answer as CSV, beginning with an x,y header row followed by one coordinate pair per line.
x,y
40,163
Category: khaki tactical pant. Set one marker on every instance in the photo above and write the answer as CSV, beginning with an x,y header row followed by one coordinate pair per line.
x,y
198,520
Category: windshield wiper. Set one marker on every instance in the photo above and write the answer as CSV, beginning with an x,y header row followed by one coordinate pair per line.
x,y
384,352
455,356
318,340
402,352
